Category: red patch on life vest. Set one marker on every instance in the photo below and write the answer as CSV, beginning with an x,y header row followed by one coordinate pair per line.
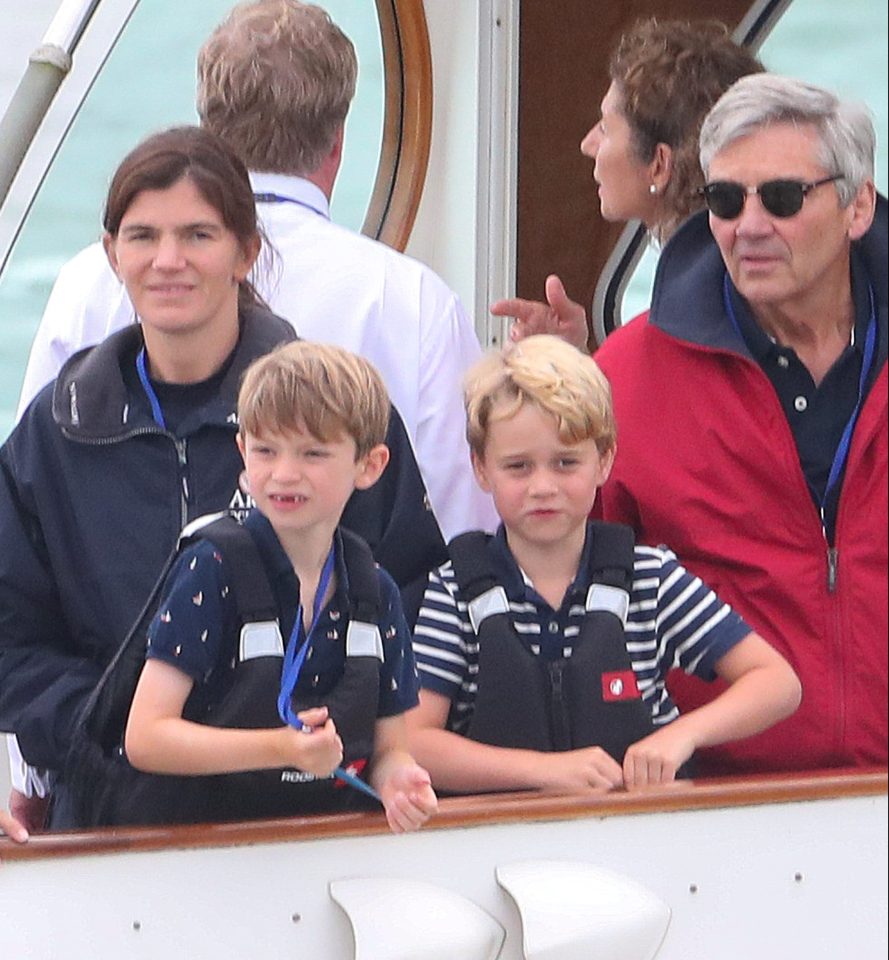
x,y
619,685
356,768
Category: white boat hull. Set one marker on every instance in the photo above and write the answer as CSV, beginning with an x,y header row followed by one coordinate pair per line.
x,y
746,876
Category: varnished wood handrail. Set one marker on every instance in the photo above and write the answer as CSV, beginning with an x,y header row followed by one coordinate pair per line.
x,y
407,122
456,812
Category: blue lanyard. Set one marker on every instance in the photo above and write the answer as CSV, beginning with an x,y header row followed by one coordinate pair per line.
x,y
281,198
294,658
156,411
841,455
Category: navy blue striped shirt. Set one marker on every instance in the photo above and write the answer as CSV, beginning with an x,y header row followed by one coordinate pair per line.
x,y
674,620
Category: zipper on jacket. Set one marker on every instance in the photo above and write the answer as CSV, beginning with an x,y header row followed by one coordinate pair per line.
x,y
833,558
182,454
561,735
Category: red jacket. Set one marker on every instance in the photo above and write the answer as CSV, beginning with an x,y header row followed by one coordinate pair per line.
x,y
707,464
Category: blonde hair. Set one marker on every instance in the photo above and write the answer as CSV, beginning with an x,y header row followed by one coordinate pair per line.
x,y
551,374
275,80
317,387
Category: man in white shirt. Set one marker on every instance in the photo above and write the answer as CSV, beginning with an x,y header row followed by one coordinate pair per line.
x,y
275,80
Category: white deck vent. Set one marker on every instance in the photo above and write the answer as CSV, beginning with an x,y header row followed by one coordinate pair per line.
x,y
408,919
575,911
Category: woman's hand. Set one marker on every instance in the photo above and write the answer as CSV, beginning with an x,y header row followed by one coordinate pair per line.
x,y
559,316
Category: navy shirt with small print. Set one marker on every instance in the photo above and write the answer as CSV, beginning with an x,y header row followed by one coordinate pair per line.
x,y
196,626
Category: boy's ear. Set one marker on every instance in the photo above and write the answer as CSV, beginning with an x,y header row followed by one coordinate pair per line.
x,y
371,466
607,461
481,475
239,439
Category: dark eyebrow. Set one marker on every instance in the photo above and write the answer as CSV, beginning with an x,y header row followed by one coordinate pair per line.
x,y
184,228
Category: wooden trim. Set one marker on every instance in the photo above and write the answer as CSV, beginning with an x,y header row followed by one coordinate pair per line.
x,y
457,812
563,75
407,124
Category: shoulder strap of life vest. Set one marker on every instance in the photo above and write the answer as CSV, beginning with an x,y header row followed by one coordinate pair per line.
x,y
250,584
364,583
474,571
613,554
611,564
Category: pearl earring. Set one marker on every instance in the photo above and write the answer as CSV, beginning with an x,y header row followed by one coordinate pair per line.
x,y
652,189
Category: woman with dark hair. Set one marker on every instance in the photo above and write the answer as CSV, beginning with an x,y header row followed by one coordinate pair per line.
x,y
135,438
665,76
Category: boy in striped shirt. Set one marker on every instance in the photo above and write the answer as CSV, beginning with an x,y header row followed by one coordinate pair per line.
x,y
540,667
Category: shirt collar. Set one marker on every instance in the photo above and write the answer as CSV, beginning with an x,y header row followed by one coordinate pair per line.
x,y
298,189
762,346
277,561
515,581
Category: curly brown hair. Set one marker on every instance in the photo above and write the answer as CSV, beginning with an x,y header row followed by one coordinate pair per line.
x,y
669,74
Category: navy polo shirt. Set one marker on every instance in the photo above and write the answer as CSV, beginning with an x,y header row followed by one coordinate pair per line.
x,y
817,415
196,626
550,643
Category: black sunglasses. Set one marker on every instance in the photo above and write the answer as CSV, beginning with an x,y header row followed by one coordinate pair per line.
x,y
781,198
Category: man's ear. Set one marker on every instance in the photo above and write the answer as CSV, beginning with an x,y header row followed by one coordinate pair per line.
x,y
861,210
109,243
371,466
481,474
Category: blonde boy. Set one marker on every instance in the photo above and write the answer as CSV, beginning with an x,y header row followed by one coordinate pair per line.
x,y
524,690
312,423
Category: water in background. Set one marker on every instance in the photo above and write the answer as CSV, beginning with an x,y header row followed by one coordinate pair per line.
x,y
811,41
141,90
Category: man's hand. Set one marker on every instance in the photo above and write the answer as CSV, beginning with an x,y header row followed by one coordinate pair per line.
x,y
559,316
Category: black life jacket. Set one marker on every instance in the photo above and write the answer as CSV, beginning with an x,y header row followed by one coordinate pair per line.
x,y
103,789
528,702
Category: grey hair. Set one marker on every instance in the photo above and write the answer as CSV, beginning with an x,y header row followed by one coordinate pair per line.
x,y
845,129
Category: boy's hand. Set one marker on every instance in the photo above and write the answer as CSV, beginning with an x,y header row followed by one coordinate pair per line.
x,y
573,771
657,757
408,797
316,747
